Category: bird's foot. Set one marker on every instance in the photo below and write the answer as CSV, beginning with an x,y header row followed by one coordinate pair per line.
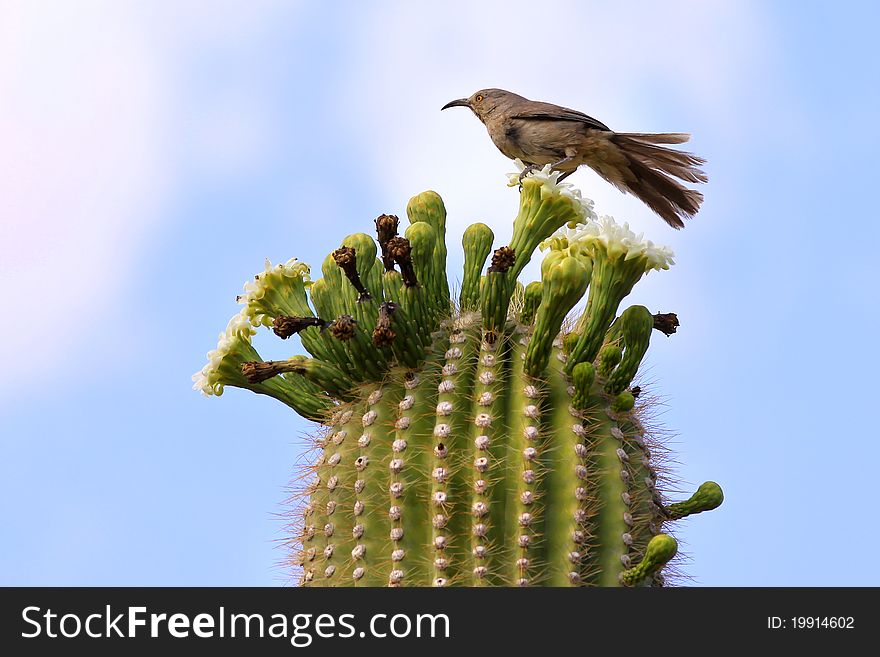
x,y
529,169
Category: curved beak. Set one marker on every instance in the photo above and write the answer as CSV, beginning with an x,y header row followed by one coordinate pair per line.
x,y
461,102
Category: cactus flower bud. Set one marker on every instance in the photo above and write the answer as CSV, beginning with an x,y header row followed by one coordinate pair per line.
x,y
531,300
660,550
708,496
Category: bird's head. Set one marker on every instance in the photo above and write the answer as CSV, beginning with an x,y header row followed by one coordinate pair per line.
x,y
485,102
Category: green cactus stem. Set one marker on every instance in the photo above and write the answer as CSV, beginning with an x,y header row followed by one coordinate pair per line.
x,y
623,403
707,497
477,244
635,326
660,550
428,208
565,280
488,445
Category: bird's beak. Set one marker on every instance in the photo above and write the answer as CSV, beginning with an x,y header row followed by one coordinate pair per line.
x,y
461,102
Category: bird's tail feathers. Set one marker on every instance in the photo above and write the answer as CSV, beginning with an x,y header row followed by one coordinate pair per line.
x,y
680,164
658,137
655,168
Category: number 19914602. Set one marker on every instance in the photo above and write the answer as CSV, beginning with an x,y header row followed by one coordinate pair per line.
x,y
811,623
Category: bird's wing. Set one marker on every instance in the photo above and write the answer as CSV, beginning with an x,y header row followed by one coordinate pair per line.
x,y
538,111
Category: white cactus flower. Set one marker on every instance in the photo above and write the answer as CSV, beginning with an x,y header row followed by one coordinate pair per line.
x,y
239,329
615,240
550,186
271,276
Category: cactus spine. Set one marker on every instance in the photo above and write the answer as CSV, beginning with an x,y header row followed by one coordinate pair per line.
x,y
485,446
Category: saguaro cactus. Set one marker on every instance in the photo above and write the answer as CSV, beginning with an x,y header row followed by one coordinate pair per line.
x,y
492,442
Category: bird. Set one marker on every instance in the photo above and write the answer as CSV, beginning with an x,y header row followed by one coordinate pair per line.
x,y
638,163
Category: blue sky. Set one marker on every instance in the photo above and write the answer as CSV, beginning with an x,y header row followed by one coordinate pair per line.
x,y
155,153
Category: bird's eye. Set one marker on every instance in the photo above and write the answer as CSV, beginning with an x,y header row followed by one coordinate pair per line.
x,y
479,98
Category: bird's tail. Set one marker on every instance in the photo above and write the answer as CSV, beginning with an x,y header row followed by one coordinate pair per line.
x,y
654,170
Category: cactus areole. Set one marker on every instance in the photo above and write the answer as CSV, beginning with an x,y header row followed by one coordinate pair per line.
x,y
489,441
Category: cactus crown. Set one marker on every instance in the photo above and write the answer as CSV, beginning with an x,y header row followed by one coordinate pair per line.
x,y
479,445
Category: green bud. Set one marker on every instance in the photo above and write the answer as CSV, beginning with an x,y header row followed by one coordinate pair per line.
x,y
609,357
564,283
531,301
393,283
637,322
660,550
623,403
429,208
495,300
708,496
409,303
366,250
477,243
551,260
423,240
338,291
582,376
581,252
326,304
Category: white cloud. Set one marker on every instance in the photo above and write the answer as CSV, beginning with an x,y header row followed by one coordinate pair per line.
x,y
89,97
81,123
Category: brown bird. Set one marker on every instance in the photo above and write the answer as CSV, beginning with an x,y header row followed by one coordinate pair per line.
x,y
542,133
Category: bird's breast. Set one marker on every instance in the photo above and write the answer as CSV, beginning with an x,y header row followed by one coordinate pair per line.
x,y
518,138
505,136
